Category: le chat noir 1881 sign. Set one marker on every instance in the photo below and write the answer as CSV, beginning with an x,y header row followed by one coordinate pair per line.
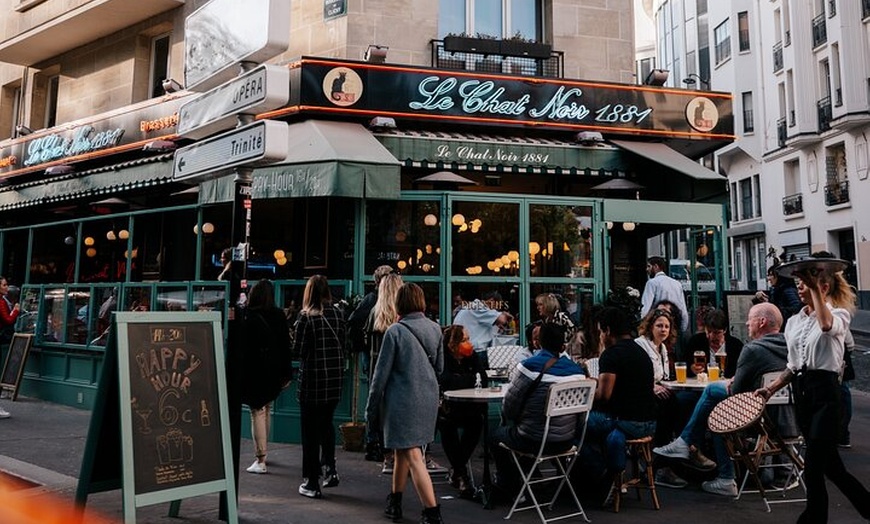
x,y
418,93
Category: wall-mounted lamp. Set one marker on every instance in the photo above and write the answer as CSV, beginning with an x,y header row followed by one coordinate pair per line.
x,y
207,228
159,146
690,80
588,137
382,122
629,226
171,86
376,54
22,130
60,170
657,77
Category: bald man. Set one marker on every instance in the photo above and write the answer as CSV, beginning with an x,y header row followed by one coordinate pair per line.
x,y
765,352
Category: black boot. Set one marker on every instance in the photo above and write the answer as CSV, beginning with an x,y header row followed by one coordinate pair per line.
x,y
373,452
394,507
431,516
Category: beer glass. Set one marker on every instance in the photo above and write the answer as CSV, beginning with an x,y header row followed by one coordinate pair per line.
x,y
680,369
713,372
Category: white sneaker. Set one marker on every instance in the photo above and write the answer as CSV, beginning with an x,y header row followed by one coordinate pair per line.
x,y
257,467
724,487
677,449
4,413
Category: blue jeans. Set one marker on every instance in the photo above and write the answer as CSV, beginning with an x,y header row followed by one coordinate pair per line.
x,y
693,433
614,433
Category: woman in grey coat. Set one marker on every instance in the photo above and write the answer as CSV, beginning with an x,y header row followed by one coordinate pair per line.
x,y
403,398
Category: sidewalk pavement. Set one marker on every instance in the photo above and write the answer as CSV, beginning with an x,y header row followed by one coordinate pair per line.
x,y
861,323
43,443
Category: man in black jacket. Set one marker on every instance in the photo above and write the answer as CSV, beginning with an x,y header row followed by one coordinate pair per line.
x,y
712,343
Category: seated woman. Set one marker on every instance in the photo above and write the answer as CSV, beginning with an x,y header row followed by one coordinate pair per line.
x,y
460,423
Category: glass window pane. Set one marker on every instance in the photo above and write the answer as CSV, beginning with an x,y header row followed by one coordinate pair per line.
x,y
15,255
55,319
53,258
577,302
488,17
451,18
560,241
498,296
30,301
78,315
524,19
171,299
404,235
102,254
137,299
485,239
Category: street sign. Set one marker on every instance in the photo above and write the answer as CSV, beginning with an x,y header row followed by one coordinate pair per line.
x,y
262,142
263,88
222,33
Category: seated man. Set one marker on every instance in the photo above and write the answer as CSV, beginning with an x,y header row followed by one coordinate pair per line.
x,y
625,403
525,406
765,352
713,340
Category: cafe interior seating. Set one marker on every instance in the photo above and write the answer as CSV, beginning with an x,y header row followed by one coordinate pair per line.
x,y
567,398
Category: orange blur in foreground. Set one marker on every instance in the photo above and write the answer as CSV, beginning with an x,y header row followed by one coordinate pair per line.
x,y
38,509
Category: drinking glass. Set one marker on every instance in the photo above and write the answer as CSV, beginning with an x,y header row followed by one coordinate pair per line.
x,y
680,368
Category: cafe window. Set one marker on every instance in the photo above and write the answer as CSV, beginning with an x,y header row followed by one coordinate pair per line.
x,y
576,301
103,250
492,18
560,241
485,238
53,259
501,296
405,235
14,266
163,246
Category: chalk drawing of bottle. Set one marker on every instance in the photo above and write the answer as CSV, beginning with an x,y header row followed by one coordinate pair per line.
x,y
204,418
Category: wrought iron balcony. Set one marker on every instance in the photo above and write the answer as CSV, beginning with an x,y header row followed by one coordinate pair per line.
x,y
837,193
777,57
793,204
781,133
820,30
825,114
493,61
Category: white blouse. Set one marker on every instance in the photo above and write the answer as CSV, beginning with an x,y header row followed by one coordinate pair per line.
x,y
809,346
659,357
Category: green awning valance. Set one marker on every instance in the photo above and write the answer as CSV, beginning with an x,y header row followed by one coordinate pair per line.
x,y
326,159
500,153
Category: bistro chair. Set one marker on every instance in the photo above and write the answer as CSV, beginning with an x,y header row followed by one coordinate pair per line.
x,y
499,358
567,398
640,456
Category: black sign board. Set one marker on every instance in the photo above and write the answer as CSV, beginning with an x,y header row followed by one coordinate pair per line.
x,y
469,97
13,369
334,9
169,382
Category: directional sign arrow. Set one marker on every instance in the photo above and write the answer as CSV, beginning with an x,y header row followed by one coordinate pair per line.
x,y
262,142
263,88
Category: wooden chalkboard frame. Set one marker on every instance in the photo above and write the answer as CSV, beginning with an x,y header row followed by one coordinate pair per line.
x,y
19,348
125,323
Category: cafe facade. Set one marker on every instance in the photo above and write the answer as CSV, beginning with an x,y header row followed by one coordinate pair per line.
x,y
463,182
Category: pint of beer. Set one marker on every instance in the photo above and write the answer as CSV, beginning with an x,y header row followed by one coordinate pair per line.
x,y
680,369
721,359
700,359
713,372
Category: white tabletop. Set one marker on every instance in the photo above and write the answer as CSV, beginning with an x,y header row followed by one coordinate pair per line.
x,y
690,383
476,395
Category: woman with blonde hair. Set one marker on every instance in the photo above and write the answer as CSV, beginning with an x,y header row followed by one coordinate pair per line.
x,y
319,344
816,338
383,315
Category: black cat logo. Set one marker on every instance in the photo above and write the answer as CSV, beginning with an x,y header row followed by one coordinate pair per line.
x,y
338,86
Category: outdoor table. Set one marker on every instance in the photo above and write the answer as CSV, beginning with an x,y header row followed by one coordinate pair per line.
x,y
483,395
691,384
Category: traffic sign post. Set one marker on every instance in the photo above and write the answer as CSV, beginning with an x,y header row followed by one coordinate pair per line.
x,y
262,142
263,88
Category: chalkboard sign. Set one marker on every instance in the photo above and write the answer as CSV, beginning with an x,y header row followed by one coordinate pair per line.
x,y
13,369
172,401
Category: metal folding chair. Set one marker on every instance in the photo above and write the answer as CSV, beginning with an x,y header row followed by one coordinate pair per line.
x,y
567,398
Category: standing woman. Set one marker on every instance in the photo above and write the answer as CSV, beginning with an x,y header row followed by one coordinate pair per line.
x,y
403,396
319,343
815,336
383,316
8,316
267,364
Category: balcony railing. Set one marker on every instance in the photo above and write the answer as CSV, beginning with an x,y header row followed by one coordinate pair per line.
x,y
777,57
552,67
781,133
820,30
837,193
793,204
825,114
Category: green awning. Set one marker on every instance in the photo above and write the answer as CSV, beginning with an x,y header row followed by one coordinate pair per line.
x,y
509,154
337,159
106,180
664,155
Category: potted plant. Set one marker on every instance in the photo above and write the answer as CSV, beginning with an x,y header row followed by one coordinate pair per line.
x,y
480,43
518,45
353,432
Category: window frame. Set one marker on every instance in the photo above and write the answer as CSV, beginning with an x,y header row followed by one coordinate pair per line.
x,y
722,41
154,90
